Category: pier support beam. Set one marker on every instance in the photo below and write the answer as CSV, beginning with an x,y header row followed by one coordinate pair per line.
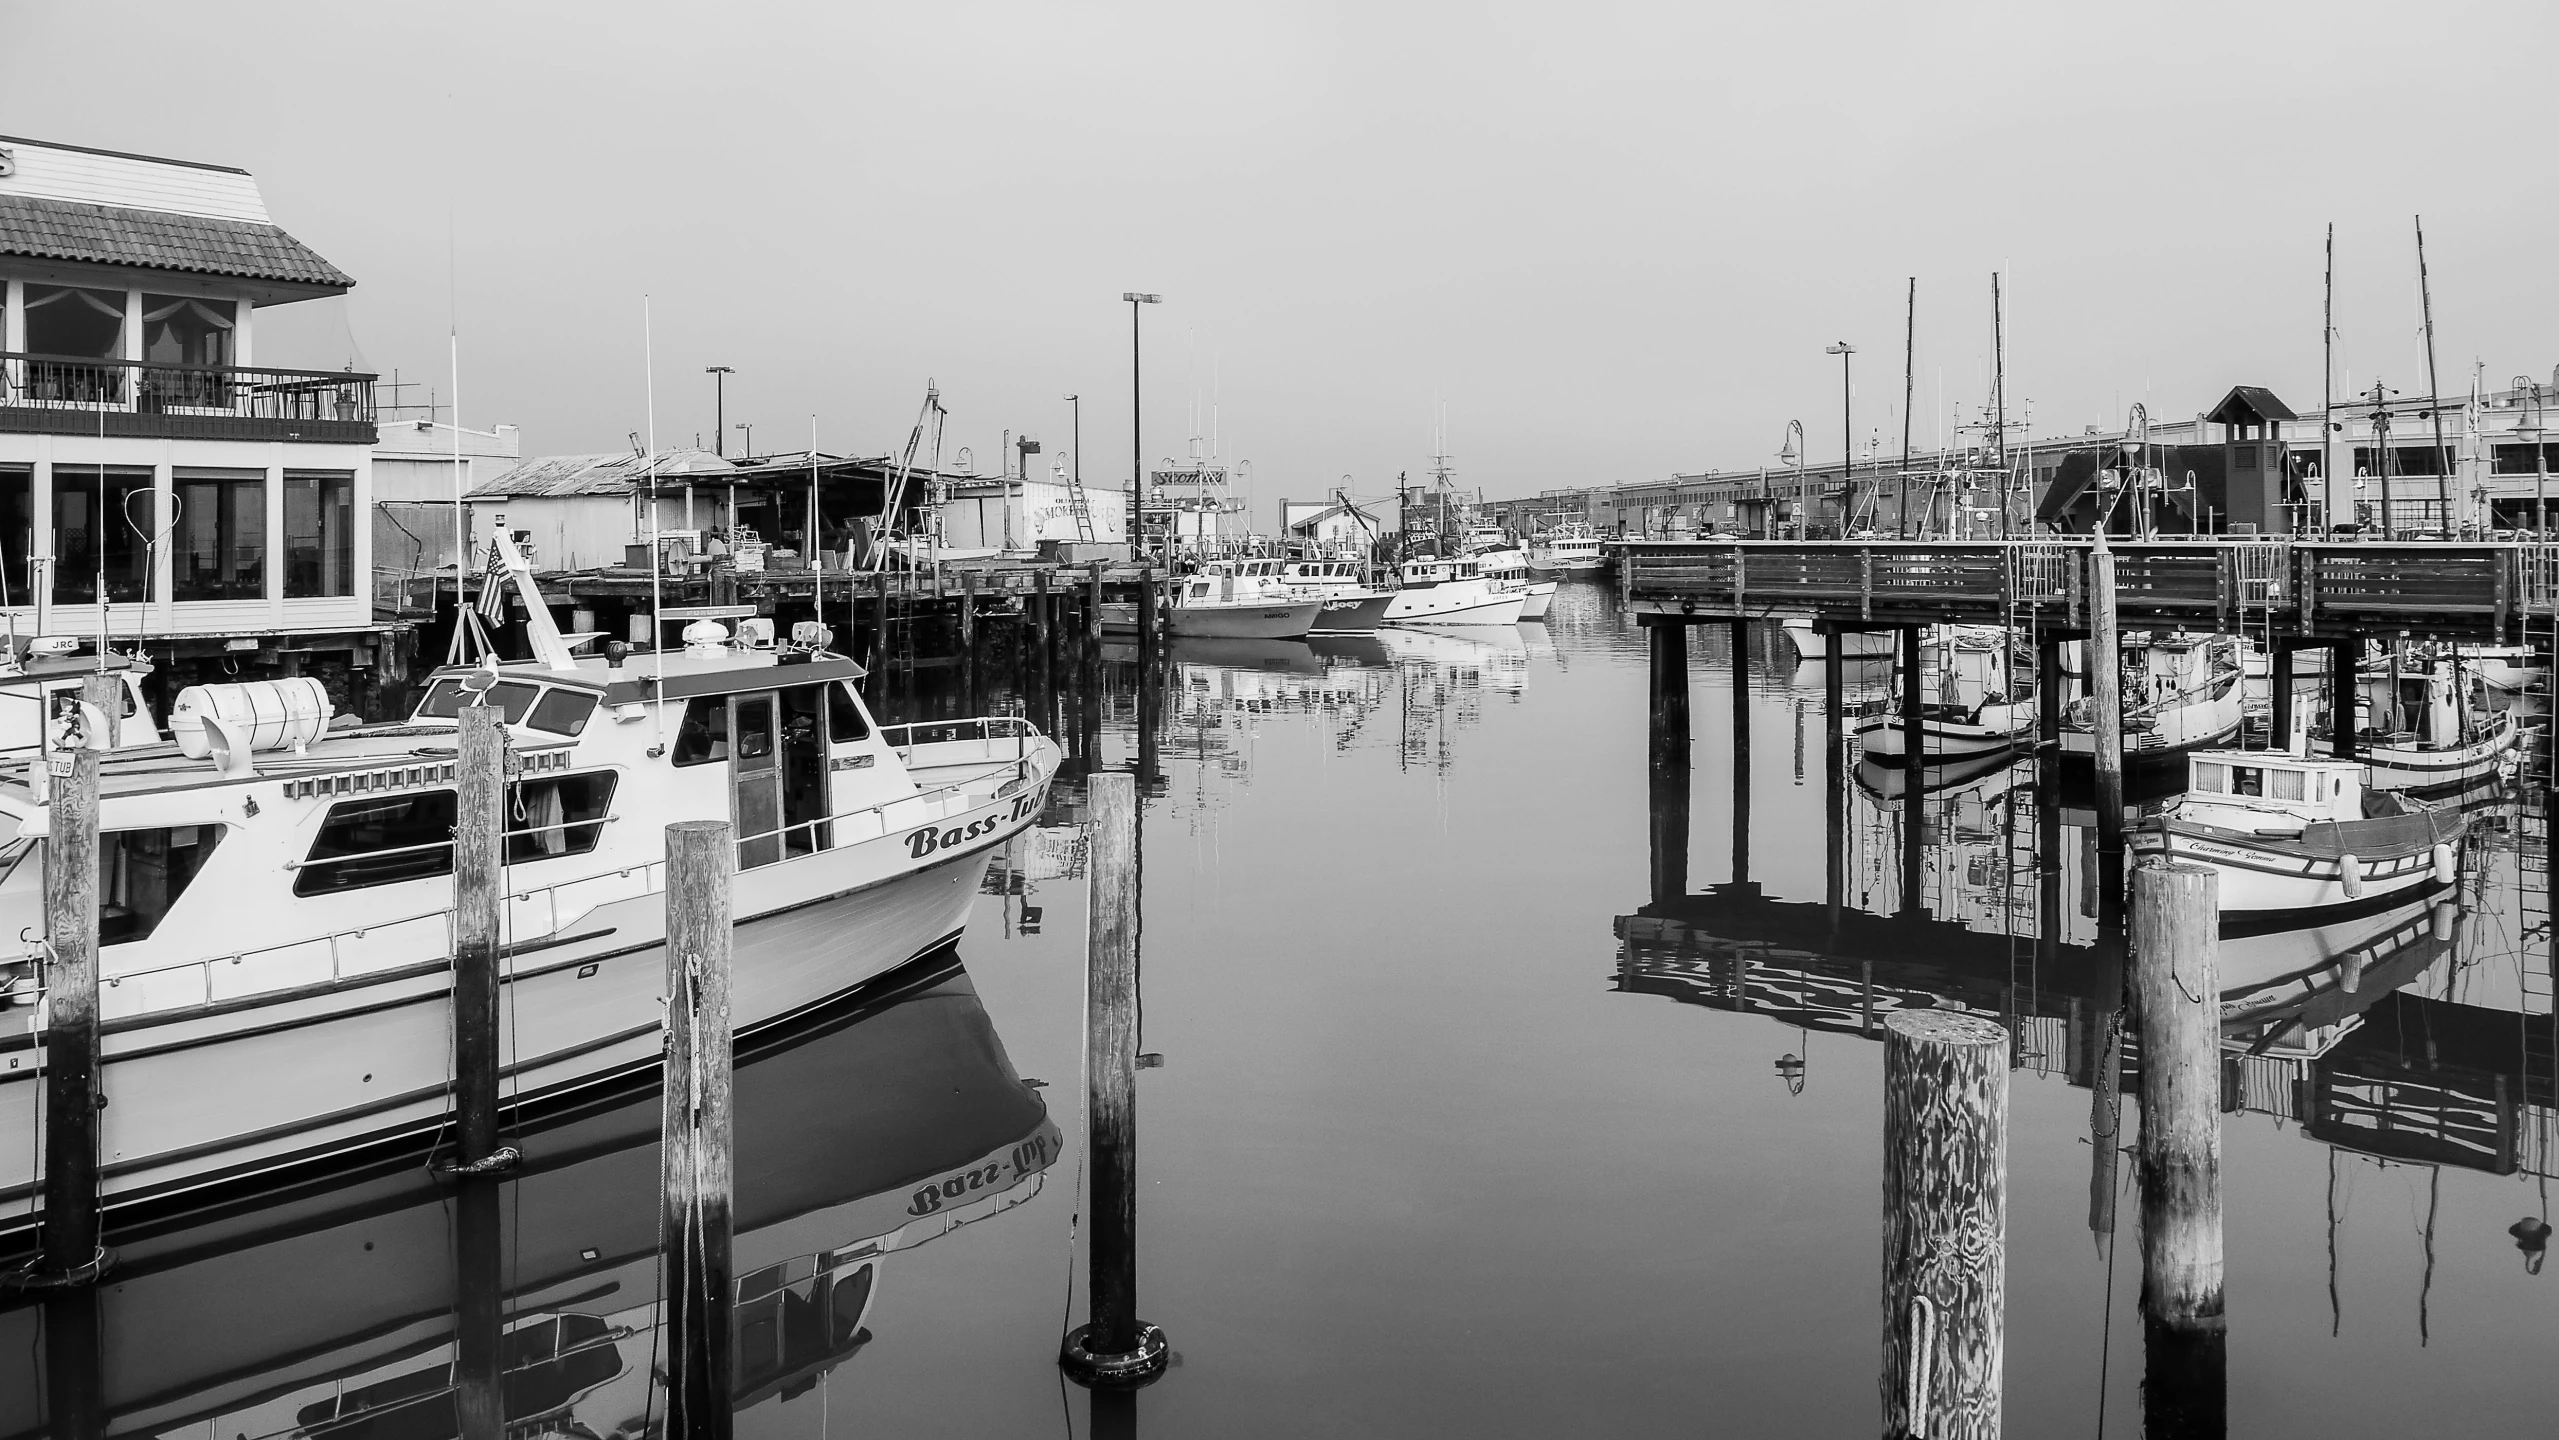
x,y
696,1165
2176,921
1043,668
2343,685
1834,779
1945,1224
2279,683
968,643
1741,753
2106,700
1113,1347
1667,753
1914,800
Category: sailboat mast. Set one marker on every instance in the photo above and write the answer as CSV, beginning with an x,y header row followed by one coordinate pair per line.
x,y
2328,387
2434,392
1909,355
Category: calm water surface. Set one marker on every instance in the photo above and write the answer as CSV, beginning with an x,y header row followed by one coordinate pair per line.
x,y
1456,1133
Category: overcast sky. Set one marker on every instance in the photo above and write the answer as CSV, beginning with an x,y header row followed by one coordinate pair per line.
x,y
1611,240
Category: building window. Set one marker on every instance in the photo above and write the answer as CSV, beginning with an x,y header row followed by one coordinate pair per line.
x,y
182,330
221,539
319,533
17,530
91,506
2243,457
79,327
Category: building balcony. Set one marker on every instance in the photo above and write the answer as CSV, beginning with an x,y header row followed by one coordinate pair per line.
x,y
61,395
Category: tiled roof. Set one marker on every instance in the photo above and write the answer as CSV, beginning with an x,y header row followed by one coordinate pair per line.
x,y
159,240
615,473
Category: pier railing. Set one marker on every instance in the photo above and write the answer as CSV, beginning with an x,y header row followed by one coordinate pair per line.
x,y
2308,589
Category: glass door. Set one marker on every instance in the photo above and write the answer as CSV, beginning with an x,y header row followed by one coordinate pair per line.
x,y
755,780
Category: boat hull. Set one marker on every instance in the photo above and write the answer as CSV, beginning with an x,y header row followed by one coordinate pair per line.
x,y
1882,739
1353,616
2168,734
1811,644
1535,598
1253,620
2425,768
1453,605
267,1088
2331,867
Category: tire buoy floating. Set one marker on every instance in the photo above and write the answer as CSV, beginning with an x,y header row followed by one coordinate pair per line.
x,y
2350,873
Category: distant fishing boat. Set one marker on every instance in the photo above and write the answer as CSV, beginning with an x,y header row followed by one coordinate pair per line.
x,y
2185,697
1506,564
1975,715
1228,600
2428,736
1450,592
2292,836
1567,551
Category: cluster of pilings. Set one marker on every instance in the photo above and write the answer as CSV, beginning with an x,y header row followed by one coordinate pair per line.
x,y
1945,1074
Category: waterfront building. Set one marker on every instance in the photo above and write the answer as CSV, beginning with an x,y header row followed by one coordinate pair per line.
x,y
158,486
1334,527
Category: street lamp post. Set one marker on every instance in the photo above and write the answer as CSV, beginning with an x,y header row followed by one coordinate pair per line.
x,y
1136,433
1847,433
1793,453
719,406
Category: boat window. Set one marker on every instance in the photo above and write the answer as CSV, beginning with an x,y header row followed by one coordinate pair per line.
x,y
445,699
2211,779
560,815
703,738
2247,780
1199,591
378,841
2288,785
141,873
844,721
563,712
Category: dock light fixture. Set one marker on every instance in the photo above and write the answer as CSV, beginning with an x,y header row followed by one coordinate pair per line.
x,y
1136,412
719,405
1795,452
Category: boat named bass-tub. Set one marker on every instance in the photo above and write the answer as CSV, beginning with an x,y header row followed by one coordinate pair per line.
x,y
276,902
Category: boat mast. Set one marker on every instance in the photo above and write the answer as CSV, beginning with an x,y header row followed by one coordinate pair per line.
x,y
2434,391
1909,352
2328,389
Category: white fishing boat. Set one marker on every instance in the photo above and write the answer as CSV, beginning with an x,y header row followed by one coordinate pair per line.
x,y
2181,694
1569,550
276,903
1450,592
1352,606
1228,600
1977,713
2291,835
43,679
2508,668
1811,644
2427,737
1508,565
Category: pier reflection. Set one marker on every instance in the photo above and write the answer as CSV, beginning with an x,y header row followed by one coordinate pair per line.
x,y
887,1123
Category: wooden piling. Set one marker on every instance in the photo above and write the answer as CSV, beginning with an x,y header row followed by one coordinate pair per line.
x,y
696,1159
71,1250
1146,611
2176,922
2343,684
1945,1224
75,1386
968,641
479,1310
1914,801
1093,611
2279,680
2106,701
1741,753
1043,673
1834,777
1667,754
1114,1347
479,820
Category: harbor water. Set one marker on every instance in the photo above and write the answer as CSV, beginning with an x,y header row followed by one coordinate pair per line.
x,y
1449,1125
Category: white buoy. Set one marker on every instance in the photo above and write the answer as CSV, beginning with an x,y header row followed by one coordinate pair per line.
x,y
2350,873
2444,870
2446,917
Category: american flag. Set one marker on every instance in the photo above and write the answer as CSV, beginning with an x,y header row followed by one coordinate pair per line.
x,y
493,587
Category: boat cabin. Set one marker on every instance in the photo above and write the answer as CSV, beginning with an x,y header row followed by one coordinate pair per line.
x,y
2254,789
1422,574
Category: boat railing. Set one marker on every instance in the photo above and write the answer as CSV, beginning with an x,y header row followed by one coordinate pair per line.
x,y
907,739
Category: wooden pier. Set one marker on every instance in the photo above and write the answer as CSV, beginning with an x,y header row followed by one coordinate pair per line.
x,y
2313,591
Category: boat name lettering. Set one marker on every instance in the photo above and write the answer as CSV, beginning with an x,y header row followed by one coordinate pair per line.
x,y
1027,1158
850,762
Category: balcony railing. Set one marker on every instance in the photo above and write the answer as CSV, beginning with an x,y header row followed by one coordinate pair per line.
x,y
67,395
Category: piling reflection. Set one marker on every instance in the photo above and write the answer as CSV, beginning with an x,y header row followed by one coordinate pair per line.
x,y
388,1304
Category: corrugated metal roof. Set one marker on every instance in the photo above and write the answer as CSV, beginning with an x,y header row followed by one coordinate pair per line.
x,y
49,229
616,473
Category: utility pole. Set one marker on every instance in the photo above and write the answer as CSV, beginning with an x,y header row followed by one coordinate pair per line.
x,y
1847,432
1136,411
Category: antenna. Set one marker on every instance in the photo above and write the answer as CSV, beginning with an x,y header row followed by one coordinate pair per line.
x,y
657,555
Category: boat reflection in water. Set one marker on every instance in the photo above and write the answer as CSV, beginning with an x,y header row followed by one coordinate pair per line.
x,y
892,1120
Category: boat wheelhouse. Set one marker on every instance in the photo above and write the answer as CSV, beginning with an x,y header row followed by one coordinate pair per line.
x,y
2293,835
277,908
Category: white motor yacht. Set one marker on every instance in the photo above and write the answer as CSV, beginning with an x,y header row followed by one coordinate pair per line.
x,y
1451,592
276,902
1569,550
1508,565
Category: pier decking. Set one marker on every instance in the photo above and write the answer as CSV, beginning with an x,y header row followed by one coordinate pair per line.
x,y
2316,591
